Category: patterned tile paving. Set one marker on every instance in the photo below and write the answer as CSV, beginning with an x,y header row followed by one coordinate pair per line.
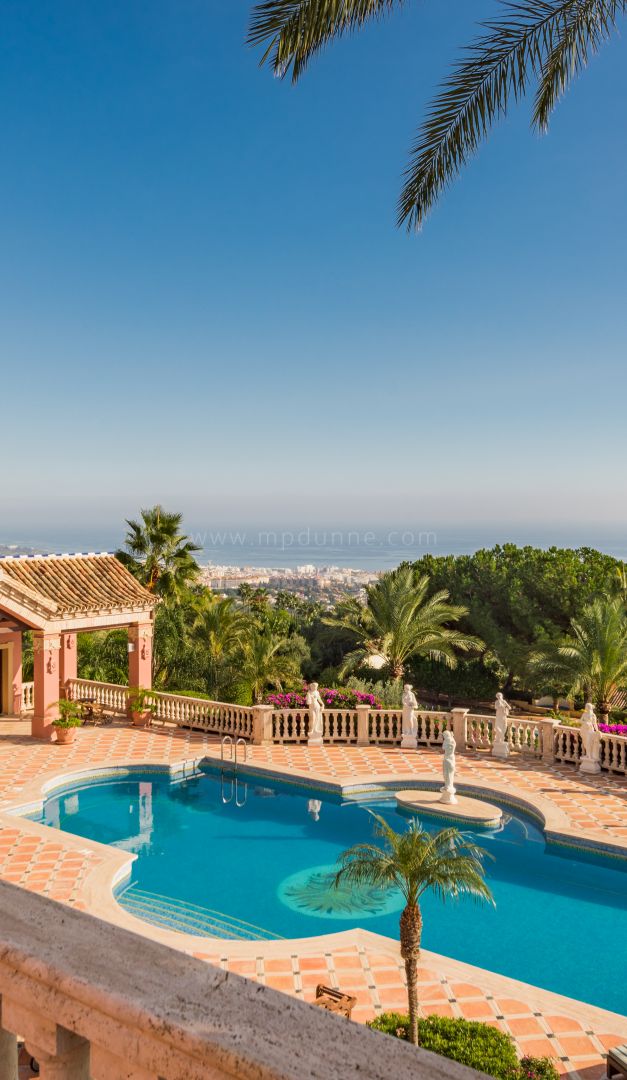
x,y
596,806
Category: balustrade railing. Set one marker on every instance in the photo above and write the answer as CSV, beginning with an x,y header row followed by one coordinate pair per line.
x,y
292,725
523,733
218,717
384,726
112,695
479,731
92,1000
28,696
613,749
526,735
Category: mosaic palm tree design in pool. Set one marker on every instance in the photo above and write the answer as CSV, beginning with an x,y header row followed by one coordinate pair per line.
x,y
312,891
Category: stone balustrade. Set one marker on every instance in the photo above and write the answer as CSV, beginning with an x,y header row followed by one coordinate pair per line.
x,y
112,695
217,717
262,724
362,726
386,726
95,1002
28,696
613,750
292,725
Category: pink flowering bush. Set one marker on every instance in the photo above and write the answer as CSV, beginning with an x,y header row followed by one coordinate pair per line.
x,y
333,699
613,729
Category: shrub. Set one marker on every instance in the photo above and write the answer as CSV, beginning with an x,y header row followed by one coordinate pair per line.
x,y
70,714
332,698
388,692
537,1068
471,1043
613,729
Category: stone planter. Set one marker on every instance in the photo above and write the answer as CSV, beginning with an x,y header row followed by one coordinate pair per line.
x,y
65,735
141,719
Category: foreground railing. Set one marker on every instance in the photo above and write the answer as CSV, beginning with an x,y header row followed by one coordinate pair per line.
x,y
95,1002
613,750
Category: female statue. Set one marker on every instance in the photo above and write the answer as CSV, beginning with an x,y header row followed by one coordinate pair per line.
x,y
409,729
315,705
591,741
502,709
448,766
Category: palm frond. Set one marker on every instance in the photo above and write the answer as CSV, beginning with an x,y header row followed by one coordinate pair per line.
x,y
584,28
293,31
447,862
495,71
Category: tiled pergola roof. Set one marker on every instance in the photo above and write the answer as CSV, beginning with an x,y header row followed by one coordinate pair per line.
x,y
64,587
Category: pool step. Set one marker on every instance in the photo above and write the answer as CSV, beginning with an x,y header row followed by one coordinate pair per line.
x,y
189,918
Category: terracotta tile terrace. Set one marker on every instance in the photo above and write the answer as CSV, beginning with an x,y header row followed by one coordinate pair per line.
x,y
74,871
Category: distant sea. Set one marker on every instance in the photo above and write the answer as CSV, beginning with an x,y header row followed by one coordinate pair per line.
x,y
369,549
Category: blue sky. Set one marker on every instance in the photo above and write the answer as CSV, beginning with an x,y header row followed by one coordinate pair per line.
x,y
204,298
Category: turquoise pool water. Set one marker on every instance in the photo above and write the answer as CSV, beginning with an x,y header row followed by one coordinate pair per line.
x,y
208,865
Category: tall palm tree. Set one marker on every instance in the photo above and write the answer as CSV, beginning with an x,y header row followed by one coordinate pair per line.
x,y
220,629
159,554
415,861
547,42
592,660
400,620
268,663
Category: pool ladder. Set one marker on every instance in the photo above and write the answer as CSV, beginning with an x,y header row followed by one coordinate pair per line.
x,y
233,788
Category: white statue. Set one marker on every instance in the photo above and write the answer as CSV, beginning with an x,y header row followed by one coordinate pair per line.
x,y
314,806
591,741
410,727
448,768
315,705
502,709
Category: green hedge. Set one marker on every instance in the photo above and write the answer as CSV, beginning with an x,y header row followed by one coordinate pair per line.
x,y
479,1046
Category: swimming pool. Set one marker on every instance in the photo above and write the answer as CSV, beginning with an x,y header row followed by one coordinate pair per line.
x,y
253,861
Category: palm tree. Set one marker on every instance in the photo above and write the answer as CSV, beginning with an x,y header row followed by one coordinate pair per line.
x,y
220,629
592,660
158,554
400,620
269,661
547,42
415,861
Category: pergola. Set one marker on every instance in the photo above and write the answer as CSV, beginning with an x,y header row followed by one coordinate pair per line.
x,y
58,597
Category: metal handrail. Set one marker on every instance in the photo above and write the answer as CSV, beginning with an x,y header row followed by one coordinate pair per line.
x,y
223,742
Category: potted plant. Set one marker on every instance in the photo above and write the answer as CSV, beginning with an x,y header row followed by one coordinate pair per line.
x,y
70,717
142,706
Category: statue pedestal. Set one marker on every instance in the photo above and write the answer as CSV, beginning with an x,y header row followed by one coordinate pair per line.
x,y
315,740
409,742
500,750
470,811
447,795
588,766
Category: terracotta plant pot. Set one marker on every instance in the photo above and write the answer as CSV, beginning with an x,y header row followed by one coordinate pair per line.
x,y
141,719
65,735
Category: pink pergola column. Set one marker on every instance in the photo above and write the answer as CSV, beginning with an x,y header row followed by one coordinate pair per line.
x,y
46,649
68,660
14,639
140,655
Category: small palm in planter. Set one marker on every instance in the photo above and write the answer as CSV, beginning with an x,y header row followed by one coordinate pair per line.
x,y
142,705
70,717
